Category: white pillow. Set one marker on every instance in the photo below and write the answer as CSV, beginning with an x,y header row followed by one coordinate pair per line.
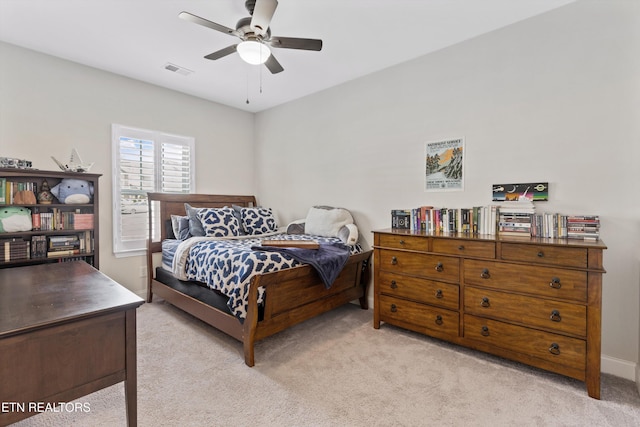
x,y
326,221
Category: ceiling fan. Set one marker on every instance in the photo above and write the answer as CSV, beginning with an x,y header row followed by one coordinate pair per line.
x,y
256,36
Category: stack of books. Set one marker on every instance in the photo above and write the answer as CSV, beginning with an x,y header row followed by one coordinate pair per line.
x,y
63,246
516,218
14,249
585,227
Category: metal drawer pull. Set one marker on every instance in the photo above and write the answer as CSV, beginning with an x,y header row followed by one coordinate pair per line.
x,y
485,273
394,308
439,294
439,267
438,320
484,331
554,349
394,260
555,283
394,285
555,316
461,247
540,254
485,302
401,242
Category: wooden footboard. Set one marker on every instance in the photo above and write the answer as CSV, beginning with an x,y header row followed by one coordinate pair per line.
x,y
297,294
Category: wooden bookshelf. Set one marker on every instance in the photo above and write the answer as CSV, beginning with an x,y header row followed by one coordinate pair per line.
x,y
59,222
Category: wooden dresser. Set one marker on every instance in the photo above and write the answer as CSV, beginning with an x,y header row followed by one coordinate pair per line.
x,y
533,300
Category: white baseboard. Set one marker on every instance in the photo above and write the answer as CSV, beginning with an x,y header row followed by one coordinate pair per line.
x,y
620,368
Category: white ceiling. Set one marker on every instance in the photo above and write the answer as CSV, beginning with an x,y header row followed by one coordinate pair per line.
x,y
136,38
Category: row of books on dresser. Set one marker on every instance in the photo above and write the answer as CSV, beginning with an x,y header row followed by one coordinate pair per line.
x,y
40,246
510,218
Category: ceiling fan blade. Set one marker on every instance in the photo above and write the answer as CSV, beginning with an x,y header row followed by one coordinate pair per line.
x,y
295,43
222,52
273,65
206,23
262,14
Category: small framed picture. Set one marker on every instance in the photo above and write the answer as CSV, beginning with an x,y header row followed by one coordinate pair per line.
x,y
444,165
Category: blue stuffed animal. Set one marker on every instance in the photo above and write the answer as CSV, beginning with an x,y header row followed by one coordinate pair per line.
x,y
73,191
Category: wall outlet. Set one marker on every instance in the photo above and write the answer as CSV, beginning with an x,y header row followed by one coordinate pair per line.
x,y
143,271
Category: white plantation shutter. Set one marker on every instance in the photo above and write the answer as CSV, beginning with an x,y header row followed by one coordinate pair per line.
x,y
145,161
176,168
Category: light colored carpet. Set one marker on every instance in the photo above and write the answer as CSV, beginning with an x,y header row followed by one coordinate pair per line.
x,y
336,370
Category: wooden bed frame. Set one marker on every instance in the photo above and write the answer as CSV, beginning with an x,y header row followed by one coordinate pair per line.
x,y
291,296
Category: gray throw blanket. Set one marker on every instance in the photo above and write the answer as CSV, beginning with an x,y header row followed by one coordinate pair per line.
x,y
328,260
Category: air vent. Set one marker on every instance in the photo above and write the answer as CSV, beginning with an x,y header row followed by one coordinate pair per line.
x,y
177,69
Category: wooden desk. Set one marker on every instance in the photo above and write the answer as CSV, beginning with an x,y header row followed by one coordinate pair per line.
x,y
66,330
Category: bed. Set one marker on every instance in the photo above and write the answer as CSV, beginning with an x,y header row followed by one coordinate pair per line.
x,y
273,300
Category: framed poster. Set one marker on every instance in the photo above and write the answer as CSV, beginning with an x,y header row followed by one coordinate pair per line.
x,y
444,165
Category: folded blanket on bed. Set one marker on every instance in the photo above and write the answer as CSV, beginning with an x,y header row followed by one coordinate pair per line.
x,y
328,260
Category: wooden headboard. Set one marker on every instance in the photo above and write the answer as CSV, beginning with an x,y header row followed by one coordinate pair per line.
x,y
173,204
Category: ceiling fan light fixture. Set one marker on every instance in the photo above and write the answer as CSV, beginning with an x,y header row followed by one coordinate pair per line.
x,y
253,52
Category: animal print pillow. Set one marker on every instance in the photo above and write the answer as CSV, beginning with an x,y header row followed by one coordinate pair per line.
x,y
219,222
258,220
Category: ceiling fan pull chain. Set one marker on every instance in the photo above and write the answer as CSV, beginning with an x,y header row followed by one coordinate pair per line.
x,y
247,86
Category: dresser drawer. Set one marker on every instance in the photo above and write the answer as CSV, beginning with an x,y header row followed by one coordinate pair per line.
x,y
530,311
396,241
550,282
426,319
422,290
565,351
545,254
463,247
431,266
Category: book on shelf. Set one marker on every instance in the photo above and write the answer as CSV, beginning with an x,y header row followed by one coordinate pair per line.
x,y
3,191
14,249
53,254
39,246
57,219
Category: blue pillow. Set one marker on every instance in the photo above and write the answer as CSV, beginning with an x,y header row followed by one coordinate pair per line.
x,y
258,220
237,212
180,226
219,222
195,226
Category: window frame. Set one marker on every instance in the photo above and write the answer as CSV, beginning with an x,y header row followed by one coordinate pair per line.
x,y
139,247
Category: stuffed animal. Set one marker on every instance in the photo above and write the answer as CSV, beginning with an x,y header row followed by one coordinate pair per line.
x,y
13,219
73,191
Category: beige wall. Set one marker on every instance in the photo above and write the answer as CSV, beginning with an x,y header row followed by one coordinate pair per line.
x,y
554,98
48,106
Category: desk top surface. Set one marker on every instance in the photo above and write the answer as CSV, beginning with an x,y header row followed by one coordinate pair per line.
x,y
43,295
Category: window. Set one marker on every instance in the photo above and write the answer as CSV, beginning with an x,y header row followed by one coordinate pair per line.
x,y
145,161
